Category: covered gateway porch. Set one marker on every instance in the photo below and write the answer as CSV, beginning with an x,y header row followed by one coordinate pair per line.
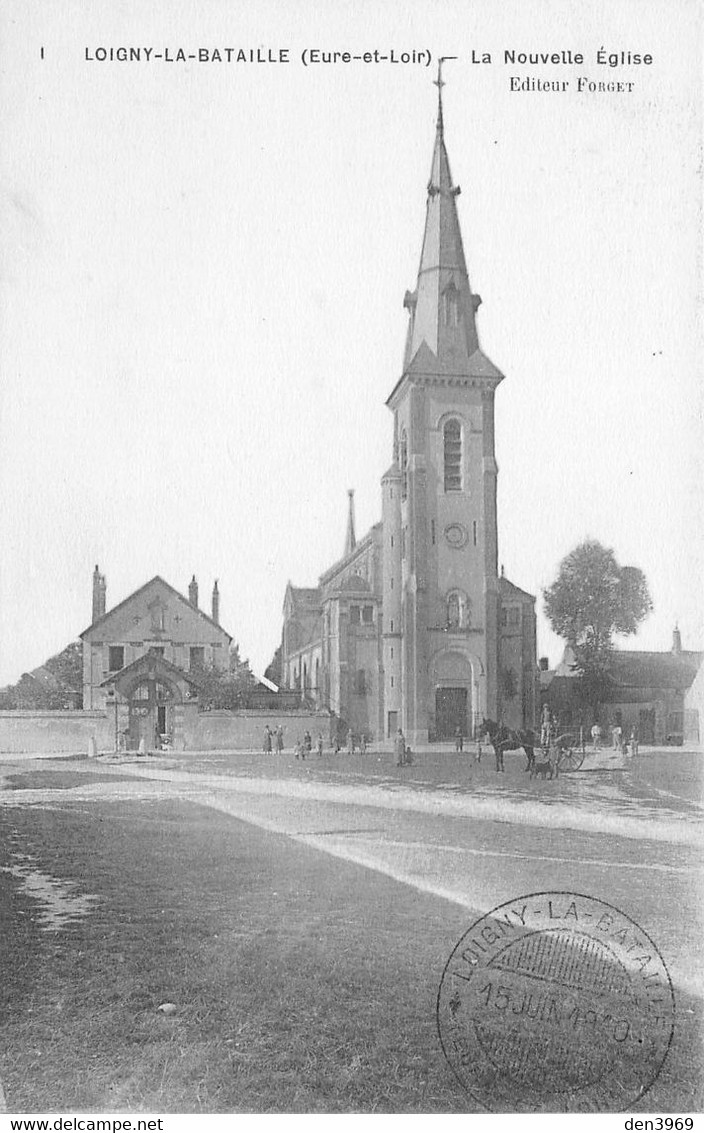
x,y
151,701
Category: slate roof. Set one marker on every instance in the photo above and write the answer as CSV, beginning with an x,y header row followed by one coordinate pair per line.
x,y
511,591
150,661
632,672
633,669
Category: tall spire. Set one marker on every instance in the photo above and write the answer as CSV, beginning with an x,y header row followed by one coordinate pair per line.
x,y
351,538
442,308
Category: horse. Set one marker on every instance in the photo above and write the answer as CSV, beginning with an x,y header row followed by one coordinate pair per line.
x,y
504,739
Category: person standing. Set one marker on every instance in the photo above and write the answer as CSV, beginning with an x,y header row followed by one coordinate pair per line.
x,y
596,736
308,742
350,742
400,748
280,739
545,726
267,740
459,739
363,744
320,744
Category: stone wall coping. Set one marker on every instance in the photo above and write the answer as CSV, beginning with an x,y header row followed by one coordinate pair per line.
x,y
52,714
265,713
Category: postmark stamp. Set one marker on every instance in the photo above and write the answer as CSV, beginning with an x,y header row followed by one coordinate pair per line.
x,y
556,1002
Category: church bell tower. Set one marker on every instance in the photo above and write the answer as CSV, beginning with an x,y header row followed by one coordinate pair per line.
x,y
440,584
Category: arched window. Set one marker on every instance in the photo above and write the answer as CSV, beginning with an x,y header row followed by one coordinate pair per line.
x,y
403,460
458,610
452,452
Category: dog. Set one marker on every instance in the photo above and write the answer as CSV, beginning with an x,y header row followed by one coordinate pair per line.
x,y
545,767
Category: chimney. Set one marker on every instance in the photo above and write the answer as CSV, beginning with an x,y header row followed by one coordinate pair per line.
x,y
99,594
216,603
676,641
543,663
193,592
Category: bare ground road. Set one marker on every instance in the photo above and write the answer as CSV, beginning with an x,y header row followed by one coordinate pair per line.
x,y
444,827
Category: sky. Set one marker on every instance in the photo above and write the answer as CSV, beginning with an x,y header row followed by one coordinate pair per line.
x,y
203,271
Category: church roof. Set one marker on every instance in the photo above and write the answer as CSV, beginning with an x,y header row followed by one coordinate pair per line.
x,y
510,591
354,583
304,595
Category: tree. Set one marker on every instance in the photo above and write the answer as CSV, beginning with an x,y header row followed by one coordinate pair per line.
x,y
67,667
592,599
225,688
57,684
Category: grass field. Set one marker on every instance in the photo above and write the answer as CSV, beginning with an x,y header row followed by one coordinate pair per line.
x,y
301,983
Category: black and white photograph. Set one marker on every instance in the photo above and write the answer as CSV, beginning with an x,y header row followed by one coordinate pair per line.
x,y
351,618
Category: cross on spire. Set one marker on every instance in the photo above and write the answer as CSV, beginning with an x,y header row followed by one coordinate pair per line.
x,y
439,83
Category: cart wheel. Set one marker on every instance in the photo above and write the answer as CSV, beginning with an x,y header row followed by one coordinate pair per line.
x,y
572,759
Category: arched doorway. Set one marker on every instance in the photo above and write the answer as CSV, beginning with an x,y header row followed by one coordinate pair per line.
x,y
454,685
151,717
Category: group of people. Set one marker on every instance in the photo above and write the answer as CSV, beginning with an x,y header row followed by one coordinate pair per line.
x,y
274,741
619,741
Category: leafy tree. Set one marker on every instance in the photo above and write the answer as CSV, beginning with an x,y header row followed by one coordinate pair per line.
x,y
592,599
228,688
67,667
59,686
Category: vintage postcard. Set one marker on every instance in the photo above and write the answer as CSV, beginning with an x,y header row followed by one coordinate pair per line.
x,y
351,628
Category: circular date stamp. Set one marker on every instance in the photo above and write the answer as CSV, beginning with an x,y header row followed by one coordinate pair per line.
x,y
556,1002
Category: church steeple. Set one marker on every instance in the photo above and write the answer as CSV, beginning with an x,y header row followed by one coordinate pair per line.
x,y
442,308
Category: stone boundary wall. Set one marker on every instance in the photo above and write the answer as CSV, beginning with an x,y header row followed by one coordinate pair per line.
x,y
24,731
222,730
219,730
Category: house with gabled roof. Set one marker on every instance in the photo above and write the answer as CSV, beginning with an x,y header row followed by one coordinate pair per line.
x,y
660,693
141,658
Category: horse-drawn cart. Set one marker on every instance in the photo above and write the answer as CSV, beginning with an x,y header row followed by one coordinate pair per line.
x,y
566,752
560,753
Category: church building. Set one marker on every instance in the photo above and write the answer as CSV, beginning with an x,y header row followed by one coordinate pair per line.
x,y
414,627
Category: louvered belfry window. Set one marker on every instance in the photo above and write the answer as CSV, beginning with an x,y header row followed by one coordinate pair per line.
x,y
452,437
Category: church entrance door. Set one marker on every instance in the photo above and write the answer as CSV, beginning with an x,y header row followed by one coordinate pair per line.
x,y
450,712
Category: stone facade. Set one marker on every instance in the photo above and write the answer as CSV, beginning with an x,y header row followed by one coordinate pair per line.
x,y
413,628
137,658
